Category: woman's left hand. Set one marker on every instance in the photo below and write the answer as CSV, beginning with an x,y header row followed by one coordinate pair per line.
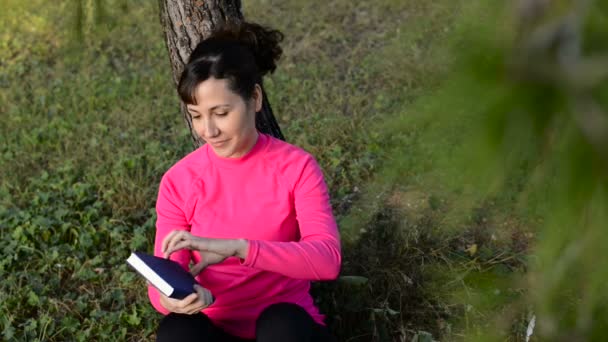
x,y
212,251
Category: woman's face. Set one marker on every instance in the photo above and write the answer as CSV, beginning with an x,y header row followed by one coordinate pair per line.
x,y
223,119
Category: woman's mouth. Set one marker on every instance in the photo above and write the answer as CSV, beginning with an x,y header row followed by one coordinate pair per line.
x,y
217,143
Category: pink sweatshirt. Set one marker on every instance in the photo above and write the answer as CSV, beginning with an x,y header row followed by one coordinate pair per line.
x,y
276,198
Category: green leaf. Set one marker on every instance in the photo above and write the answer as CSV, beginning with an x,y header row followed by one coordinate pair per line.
x,y
32,298
133,318
9,332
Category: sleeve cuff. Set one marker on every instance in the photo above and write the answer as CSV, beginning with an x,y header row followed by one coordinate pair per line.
x,y
252,254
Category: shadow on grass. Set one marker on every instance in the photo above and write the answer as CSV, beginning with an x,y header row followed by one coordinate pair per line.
x,y
382,295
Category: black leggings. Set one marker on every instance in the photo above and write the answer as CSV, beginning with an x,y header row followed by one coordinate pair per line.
x,y
283,322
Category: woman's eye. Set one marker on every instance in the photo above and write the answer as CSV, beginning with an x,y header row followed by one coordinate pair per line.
x,y
221,114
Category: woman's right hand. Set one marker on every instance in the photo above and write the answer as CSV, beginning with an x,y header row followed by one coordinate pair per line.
x,y
191,304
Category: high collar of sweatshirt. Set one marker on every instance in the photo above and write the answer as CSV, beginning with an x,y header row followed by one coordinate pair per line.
x,y
255,151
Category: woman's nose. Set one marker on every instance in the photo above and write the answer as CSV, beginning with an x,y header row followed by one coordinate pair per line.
x,y
210,129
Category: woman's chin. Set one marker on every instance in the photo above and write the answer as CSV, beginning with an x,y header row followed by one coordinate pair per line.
x,y
223,151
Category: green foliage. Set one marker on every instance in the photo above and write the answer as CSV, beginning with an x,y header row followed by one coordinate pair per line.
x,y
549,114
86,136
517,133
469,194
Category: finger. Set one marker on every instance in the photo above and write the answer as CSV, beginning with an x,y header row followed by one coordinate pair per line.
x,y
191,298
211,298
183,244
198,268
168,303
176,238
167,239
200,291
201,303
205,295
195,307
208,296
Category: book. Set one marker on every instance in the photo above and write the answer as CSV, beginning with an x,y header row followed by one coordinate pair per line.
x,y
166,275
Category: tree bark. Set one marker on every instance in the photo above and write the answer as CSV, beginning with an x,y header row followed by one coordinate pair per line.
x,y
185,24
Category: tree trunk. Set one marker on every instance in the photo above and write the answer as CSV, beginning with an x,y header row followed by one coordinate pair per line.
x,y
186,23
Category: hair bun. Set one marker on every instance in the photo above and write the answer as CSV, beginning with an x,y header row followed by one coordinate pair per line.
x,y
262,41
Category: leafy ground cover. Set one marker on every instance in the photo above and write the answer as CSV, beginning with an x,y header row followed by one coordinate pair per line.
x,y
90,122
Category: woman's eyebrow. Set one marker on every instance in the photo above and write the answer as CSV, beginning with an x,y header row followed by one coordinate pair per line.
x,y
212,108
218,106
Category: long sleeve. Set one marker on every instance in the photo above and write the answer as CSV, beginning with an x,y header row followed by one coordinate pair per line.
x,y
170,216
276,198
316,256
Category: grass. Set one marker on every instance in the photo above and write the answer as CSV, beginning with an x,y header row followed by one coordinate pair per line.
x,y
90,126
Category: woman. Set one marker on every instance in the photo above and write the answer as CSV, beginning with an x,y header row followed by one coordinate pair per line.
x,y
250,211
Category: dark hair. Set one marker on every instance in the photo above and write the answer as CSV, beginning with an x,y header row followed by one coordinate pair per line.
x,y
240,52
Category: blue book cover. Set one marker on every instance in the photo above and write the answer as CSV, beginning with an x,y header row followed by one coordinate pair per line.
x,y
164,274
